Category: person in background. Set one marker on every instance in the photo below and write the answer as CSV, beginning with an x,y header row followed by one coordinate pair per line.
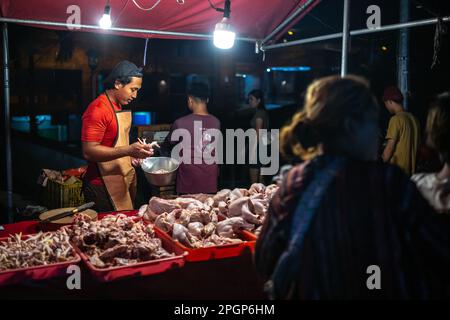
x,y
201,174
341,217
259,121
435,187
110,179
402,136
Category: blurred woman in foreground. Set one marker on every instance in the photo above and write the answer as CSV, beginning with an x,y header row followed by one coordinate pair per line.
x,y
343,226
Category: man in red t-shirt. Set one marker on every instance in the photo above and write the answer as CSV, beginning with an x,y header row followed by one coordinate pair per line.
x,y
110,179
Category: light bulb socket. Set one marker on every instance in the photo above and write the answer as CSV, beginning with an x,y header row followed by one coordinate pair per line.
x,y
227,9
107,9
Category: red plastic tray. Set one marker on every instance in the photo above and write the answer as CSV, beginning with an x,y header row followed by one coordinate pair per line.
x,y
138,269
36,273
216,252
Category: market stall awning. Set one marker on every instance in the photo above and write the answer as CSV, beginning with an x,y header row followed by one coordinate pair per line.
x,y
252,19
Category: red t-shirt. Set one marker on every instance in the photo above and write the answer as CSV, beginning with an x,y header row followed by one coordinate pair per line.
x,y
99,125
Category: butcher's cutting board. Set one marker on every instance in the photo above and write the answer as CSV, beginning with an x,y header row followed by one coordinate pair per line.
x,y
66,220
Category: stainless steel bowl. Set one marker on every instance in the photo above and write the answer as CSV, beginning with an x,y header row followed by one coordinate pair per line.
x,y
152,164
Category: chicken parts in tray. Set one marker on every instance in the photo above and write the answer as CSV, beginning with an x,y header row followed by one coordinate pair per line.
x,y
193,220
35,250
116,240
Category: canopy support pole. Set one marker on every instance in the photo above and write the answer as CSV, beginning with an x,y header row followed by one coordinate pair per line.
x,y
127,30
8,162
391,27
288,20
345,38
403,54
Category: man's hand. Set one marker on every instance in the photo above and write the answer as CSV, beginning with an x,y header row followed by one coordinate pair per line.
x,y
95,152
136,162
140,150
388,150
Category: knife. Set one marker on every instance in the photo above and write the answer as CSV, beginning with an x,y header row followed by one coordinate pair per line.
x,y
70,212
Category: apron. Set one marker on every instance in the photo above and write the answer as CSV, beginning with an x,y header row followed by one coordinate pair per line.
x,y
119,175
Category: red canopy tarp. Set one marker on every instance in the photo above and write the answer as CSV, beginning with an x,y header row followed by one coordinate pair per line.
x,y
254,19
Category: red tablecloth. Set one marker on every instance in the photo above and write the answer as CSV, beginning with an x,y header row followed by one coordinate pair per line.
x,y
26,227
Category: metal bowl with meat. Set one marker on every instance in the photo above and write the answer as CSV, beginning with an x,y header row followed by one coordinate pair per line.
x,y
160,171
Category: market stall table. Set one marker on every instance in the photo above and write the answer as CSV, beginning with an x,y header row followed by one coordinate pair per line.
x,y
231,278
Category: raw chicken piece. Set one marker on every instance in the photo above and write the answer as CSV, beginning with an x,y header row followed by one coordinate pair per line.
x,y
163,222
156,206
216,240
180,233
220,196
202,197
185,217
244,192
174,215
235,207
222,205
196,216
235,194
188,202
228,227
214,217
209,202
257,188
208,230
142,210
271,189
206,218
257,206
258,196
248,226
195,228
249,216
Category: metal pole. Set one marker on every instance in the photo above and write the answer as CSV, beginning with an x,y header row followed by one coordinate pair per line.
x,y
288,20
127,30
345,38
8,162
391,27
403,53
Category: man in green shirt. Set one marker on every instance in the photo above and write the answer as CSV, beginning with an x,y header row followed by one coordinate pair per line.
x,y
402,135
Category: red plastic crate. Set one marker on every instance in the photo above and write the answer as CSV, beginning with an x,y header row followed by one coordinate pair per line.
x,y
36,273
250,235
216,252
138,269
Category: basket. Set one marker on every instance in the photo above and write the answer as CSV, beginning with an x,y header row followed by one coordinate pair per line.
x,y
63,195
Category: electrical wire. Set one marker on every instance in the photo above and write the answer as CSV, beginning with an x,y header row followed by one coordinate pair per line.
x,y
214,7
145,53
440,31
425,8
120,12
147,9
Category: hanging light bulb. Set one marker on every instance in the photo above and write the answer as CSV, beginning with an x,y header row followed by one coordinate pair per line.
x,y
224,35
105,21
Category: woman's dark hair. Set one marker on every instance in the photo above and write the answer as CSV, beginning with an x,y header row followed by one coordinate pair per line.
x,y
337,113
438,126
258,94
